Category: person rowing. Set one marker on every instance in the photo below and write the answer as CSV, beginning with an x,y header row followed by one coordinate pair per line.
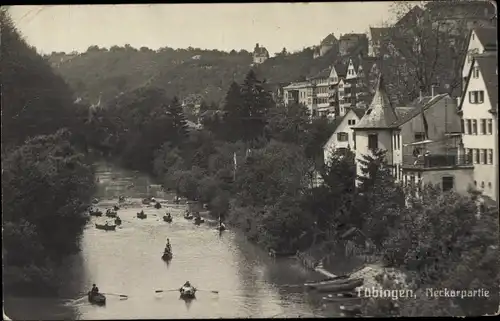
x,y
168,247
187,285
94,290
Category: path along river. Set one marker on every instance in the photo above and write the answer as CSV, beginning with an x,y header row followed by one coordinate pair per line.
x,y
127,261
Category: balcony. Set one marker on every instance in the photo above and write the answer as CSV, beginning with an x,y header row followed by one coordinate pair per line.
x,y
436,161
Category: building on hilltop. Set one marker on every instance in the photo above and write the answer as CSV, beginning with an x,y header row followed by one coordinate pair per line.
x,y
350,41
472,13
423,143
327,44
260,54
478,106
378,37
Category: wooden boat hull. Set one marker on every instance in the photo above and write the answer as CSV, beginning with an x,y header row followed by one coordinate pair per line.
x,y
187,293
157,206
97,298
167,219
142,216
188,217
95,214
118,221
106,227
167,256
340,278
146,201
112,214
341,286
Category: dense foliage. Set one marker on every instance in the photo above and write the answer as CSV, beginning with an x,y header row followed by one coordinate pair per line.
x,y
46,180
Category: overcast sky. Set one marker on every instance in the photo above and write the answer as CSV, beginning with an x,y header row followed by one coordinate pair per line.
x,y
208,26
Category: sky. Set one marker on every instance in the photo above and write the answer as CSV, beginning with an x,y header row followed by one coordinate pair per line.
x,y
208,26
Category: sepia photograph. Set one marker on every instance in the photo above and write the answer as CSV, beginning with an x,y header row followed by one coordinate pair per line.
x,y
250,160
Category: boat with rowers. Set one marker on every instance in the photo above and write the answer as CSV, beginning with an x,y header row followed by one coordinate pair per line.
x,y
95,297
111,213
187,291
167,218
188,216
157,205
95,212
105,227
142,215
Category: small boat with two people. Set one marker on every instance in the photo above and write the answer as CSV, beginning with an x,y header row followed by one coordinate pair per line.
x,y
94,211
187,291
141,215
188,216
95,297
167,218
167,253
157,205
106,226
111,212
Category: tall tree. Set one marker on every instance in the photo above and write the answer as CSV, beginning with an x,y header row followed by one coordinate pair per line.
x,y
288,124
256,103
234,115
178,122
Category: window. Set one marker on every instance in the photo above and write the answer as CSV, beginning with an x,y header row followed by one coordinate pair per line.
x,y
475,156
482,184
474,127
476,97
342,137
490,156
490,126
462,126
483,156
419,136
475,183
447,183
482,128
354,139
489,185
398,138
469,127
373,141
351,122
475,72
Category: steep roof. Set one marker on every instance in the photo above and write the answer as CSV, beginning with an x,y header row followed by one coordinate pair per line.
x,y
359,112
380,114
329,40
488,37
260,51
377,34
416,107
488,67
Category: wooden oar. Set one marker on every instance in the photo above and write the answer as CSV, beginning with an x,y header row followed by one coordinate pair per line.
x,y
216,292
161,291
120,295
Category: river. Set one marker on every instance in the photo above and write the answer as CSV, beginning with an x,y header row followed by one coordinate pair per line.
x,y
127,261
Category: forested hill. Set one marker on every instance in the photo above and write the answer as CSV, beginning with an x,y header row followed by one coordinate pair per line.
x,y
180,72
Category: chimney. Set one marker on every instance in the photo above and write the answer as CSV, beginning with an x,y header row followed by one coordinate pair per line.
x,y
432,90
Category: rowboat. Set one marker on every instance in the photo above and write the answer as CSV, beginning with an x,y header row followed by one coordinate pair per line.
x,y
111,213
199,220
157,205
187,292
327,281
346,285
351,310
167,256
97,298
95,212
118,221
142,215
146,201
188,217
167,219
105,227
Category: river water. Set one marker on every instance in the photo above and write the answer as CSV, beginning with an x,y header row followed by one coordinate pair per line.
x,y
128,261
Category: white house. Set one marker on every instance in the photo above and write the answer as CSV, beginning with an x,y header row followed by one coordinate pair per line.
x,y
343,136
480,40
479,99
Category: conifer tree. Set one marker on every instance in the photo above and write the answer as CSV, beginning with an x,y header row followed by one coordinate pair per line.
x,y
178,122
234,114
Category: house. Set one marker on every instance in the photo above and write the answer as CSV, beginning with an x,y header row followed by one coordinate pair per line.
x,y
298,93
472,13
351,41
260,54
343,138
423,145
480,40
479,99
378,37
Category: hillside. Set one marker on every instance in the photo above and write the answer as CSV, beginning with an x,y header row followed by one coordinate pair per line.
x,y
179,72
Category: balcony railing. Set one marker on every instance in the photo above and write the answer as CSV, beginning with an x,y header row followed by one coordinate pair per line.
x,y
436,161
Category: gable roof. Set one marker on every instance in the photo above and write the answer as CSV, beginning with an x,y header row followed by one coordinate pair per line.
x,y
329,40
380,114
488,68
378,34
359,112
416,107
488,37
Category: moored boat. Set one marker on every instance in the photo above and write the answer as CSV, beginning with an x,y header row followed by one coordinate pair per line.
x,y
337,279
111,213
118,221
346,285
97,298
187,292
95,212
142,215
167,218
105,227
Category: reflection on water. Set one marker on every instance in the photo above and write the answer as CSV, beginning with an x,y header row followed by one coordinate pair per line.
x,y
128,261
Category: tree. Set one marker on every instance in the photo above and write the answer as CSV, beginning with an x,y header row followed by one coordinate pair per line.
x,y
234,114
256,103
178,122
289,124
426,47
